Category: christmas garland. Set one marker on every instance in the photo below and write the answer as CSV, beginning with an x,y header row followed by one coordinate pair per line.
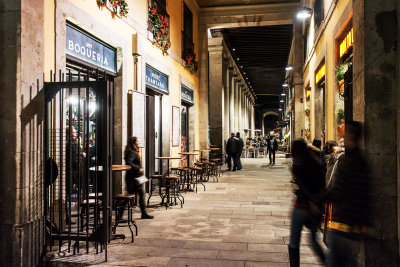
x,y
190,59
160,31
117,7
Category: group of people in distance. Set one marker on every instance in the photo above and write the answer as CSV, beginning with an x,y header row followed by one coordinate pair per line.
x,y
234,148
335,181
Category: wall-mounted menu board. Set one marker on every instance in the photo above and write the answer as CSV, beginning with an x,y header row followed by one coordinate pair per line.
x,y
138,117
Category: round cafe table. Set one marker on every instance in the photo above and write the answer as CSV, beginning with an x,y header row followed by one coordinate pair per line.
x,y
168,159
188,154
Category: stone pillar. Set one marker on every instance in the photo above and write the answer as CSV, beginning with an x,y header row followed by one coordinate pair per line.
x,y
240,109
203,87
298,79
215,92
375,104
227,87
252,120
232,105
237,90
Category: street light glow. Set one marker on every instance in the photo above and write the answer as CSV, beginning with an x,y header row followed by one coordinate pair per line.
x,y
288,68
304,13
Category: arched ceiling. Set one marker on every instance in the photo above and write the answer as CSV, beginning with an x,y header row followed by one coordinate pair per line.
x,y
262,54
219,3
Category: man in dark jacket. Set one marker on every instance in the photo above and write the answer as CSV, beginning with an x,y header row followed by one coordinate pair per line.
x,y
272,144
240,149
349,191
232,149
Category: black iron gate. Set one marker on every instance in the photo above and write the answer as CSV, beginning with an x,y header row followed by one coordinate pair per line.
x,y
78,157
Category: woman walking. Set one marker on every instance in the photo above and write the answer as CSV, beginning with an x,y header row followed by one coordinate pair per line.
x,y
307,175
133,160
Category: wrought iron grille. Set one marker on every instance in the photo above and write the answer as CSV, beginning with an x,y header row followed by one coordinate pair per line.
x,y
78,156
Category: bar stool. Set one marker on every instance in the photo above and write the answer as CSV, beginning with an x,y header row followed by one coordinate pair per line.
x,y
92,211
172,190
155,185
195,176
219,163
183,173
121,202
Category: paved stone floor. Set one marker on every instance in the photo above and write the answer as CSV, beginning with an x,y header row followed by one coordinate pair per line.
x,y
243,220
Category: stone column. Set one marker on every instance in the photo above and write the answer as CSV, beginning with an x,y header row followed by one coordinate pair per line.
x,y
375,88
240,109
232,104
203,87
252,120
237,89
216,92
298,79
227,88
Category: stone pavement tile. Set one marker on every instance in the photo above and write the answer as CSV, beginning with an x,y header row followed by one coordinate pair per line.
x,y
268,248
184,262
148,261
221,212
216,245
128,249
266,264
253,239
184,253
253,256
154,242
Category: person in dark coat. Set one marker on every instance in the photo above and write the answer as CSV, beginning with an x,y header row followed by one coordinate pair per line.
x,y
307,175
133,160
240,149
349,192
232,150
272,144
75,169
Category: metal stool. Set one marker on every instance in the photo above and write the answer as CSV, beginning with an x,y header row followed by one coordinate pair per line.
x,y
121,202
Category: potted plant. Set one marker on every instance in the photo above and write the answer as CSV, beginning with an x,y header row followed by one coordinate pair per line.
x,y
117,8
190,59
307,132
160,31
307,112
340,70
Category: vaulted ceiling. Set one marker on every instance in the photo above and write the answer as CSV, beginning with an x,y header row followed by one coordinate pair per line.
x,y
262,54
218,3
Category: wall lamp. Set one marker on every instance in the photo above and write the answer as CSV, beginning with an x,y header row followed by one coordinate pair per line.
x,y
285,85
283,94
304,13
288,68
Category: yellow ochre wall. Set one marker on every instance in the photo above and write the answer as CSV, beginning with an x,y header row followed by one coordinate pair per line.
x,y
324,49
118,33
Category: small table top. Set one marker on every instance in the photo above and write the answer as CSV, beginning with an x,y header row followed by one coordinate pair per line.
x,y
113,167
188,153
121,167
168,157
214,148
206,150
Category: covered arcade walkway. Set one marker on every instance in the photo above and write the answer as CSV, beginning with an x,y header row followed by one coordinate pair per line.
x,y
241,221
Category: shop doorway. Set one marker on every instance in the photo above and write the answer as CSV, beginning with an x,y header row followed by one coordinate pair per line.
x,y
78,157
153,133
184,132
320,112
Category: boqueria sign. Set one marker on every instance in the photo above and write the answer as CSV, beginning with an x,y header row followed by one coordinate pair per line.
x,y
187,94
156,80
83,47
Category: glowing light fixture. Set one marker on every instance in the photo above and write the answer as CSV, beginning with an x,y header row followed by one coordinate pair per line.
x,y
233,49
237,58
280,109
281,101
285,85
283,94
304,13
288,68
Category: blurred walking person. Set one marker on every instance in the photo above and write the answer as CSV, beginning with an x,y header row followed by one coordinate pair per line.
x,y
349,191
240,148
272,145
232,150
307,175
133,160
